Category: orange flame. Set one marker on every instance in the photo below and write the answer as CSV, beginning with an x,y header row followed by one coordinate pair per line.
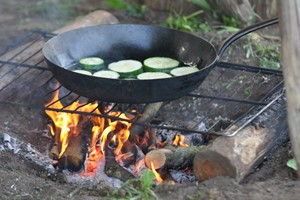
x,y
157,175
179,141
66,125
138,166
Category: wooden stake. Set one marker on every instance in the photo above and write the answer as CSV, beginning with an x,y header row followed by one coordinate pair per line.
x,y
290,33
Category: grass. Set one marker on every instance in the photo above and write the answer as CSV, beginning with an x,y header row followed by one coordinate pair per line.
x,y
133,9
189,23
269,55
138,188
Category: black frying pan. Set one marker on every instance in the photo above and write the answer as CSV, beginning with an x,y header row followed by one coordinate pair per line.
x,y
138,42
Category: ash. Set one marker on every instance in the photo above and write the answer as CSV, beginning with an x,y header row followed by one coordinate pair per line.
x,y
44,163
27,152
94,179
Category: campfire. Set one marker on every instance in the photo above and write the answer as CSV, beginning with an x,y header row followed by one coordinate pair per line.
x,y
82,141
121,140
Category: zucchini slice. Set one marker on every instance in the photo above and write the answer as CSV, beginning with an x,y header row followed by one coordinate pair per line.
x,y
80,71
153,75
180,71
160,64
127,68
107,74
91,63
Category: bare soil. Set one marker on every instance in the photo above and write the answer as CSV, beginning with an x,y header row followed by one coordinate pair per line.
x,y
20,179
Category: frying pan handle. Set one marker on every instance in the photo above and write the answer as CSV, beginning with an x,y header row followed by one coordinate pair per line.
x,y
244,32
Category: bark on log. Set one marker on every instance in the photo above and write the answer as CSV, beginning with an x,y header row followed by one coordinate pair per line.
x,y
290,33
171,157
148,114
239,155
241,9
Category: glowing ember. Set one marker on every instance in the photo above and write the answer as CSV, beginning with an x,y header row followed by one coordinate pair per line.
x,y
157,175
179,141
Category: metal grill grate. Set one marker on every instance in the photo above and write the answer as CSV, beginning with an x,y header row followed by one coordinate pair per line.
x,y
228,94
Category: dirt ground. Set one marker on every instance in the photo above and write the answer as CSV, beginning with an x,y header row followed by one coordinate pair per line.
x,y
19,179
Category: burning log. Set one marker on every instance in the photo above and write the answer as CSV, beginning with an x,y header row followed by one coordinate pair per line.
x,y
239,155
171,157
74,156
112,168
148,114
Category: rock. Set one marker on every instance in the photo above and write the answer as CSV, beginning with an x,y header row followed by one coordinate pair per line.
x,y
96,17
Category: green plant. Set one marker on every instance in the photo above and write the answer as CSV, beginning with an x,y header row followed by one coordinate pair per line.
x,y
136,10
269,55
292,164
133,9
230,21
137,188
117,4
187,23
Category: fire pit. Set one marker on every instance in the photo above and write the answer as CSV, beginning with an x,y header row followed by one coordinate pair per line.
x,y
84,131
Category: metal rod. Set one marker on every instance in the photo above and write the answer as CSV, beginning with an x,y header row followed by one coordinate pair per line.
x,y
23,65
250,68
254,116
228,99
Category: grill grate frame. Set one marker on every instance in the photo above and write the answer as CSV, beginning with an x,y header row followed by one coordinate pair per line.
x,y
216,103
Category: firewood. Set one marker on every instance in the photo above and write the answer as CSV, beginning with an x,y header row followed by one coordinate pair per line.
x,y
74,156
148,114
171,157
238,156
113,169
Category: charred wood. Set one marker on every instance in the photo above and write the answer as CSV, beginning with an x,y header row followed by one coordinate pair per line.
x,y
112,168
74,156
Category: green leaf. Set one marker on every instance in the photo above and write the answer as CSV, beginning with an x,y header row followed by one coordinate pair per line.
x,y
147,178
117,4
292,164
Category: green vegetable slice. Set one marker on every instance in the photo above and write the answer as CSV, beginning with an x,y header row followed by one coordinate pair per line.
x,y
180,71
153,75
107,74
80,71
91,63
127,68
160,64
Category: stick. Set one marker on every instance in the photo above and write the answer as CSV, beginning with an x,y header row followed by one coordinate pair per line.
x,y
149,113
